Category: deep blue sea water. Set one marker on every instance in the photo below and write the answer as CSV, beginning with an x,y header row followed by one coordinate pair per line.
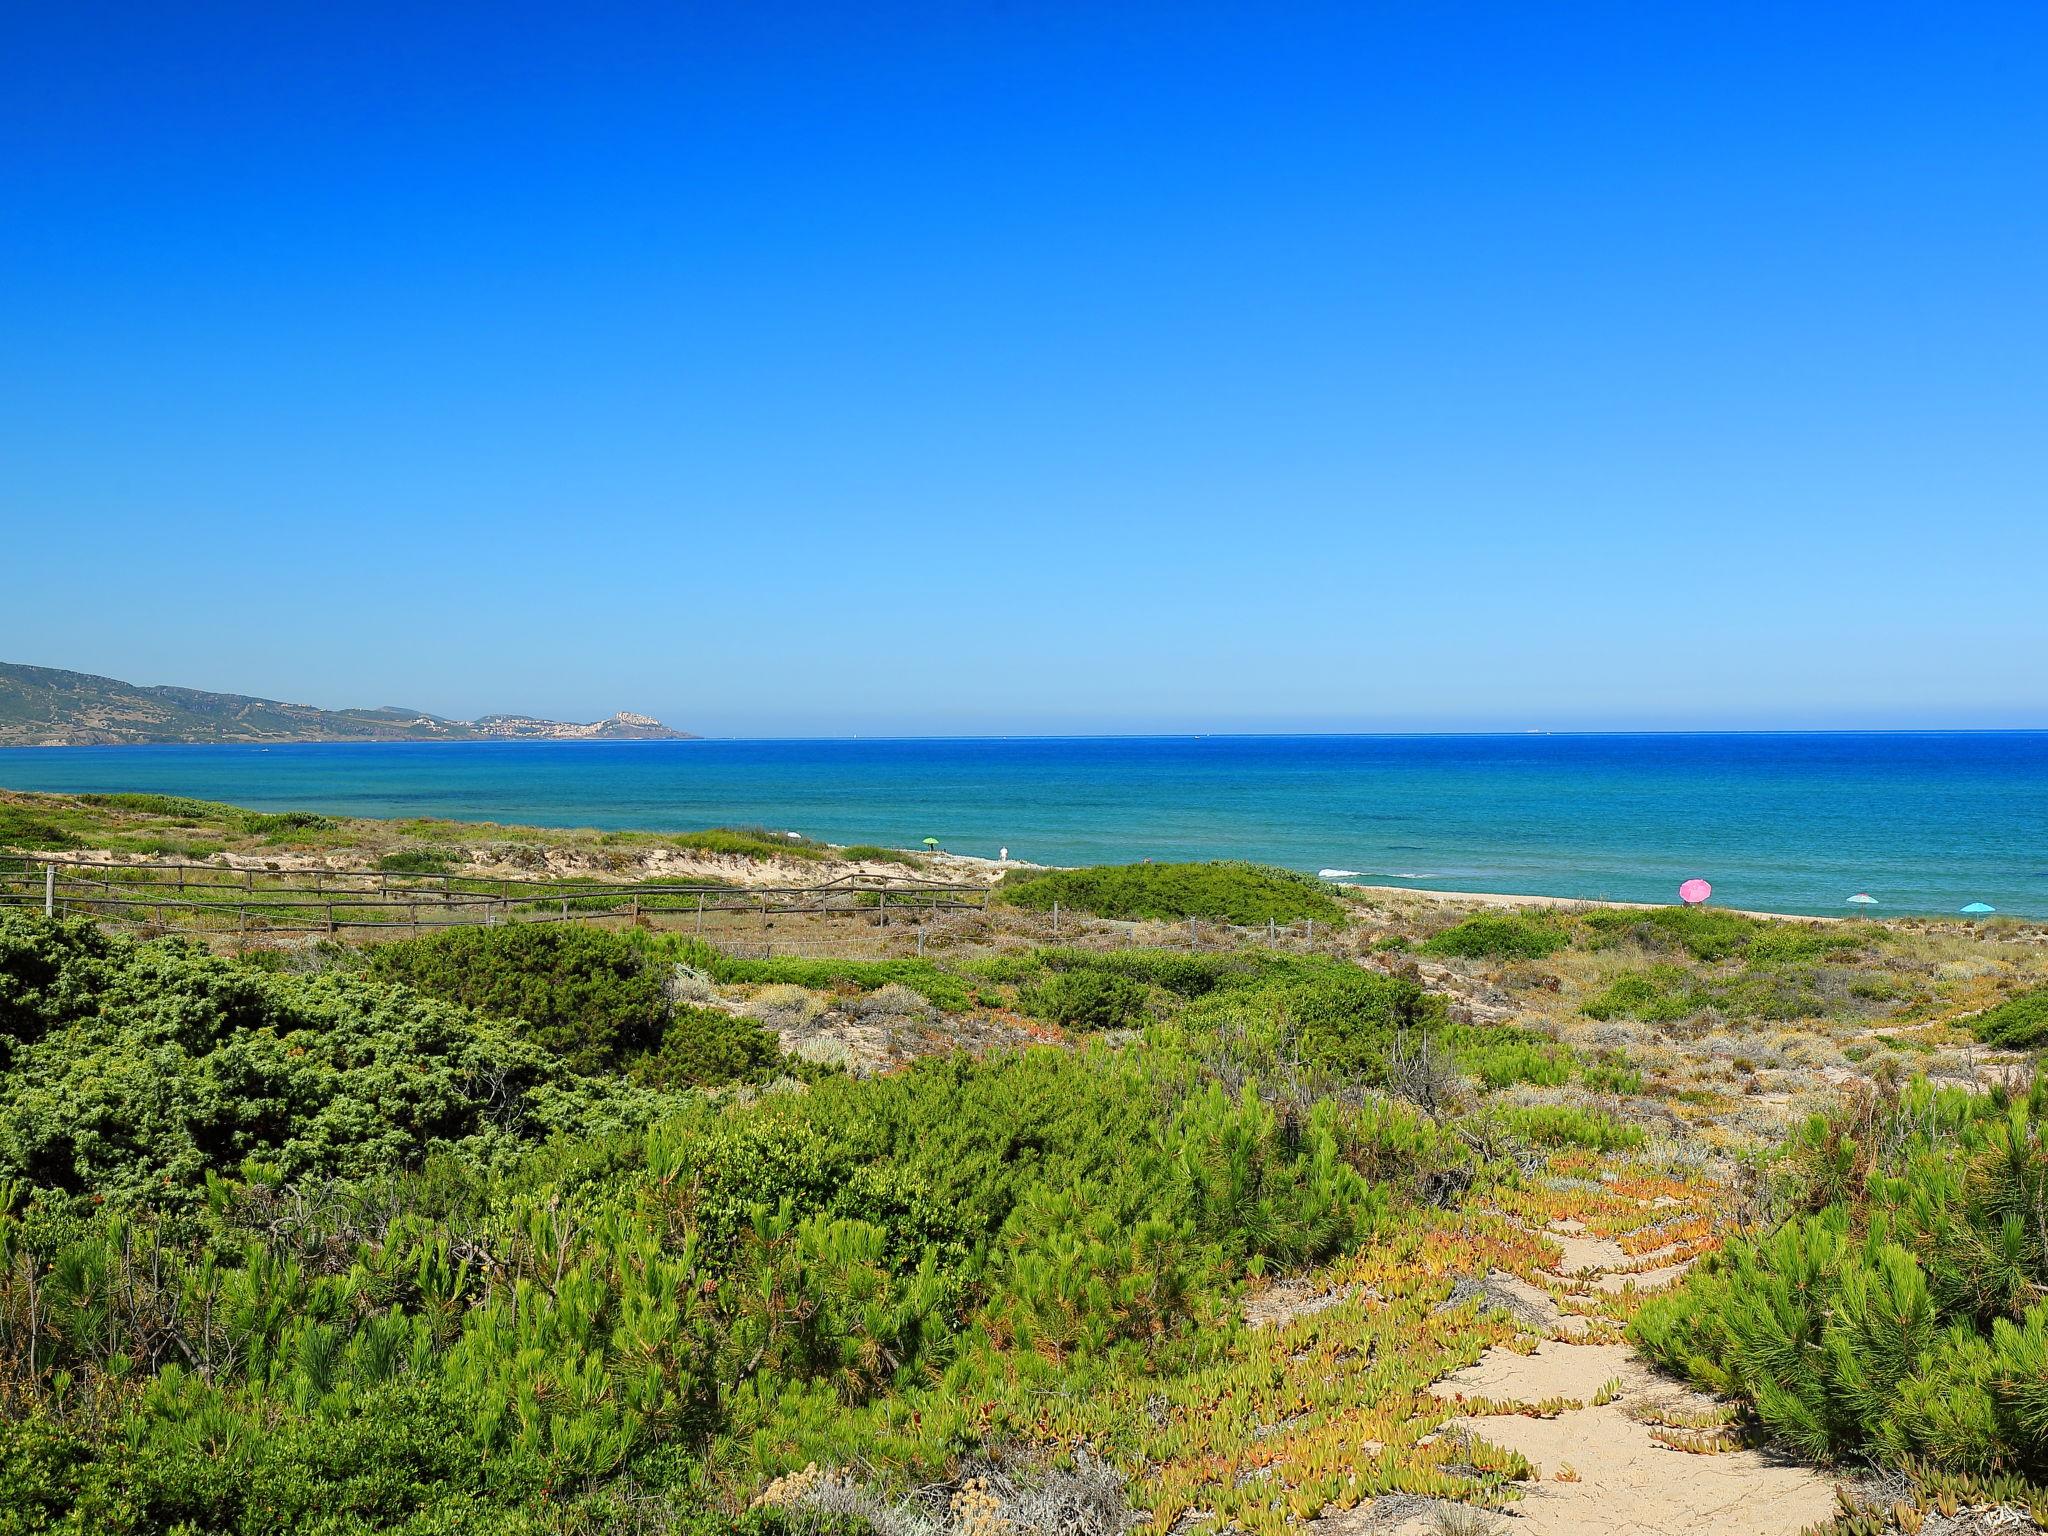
x,y
1925,822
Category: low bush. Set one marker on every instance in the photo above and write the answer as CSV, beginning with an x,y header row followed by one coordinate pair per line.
x,y
1500,1058
28,830
415,861
136,1071
942,988
279,825
748,843
1222,892
1564,1125
1500,936
2019,1023
1711,933
589,995
1178,971
1325,1014
1665,993
187,811
1613,1077
1085,999
707,1047
1901,1316
869,853
181,807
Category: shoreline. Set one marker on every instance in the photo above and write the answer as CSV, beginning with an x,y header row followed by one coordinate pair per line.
x,y
1515,901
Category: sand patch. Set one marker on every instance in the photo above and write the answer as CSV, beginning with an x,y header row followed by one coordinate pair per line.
x,y
1583,1255
1629,1485
1556,1369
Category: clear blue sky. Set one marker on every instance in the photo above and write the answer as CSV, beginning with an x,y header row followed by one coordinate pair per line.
x,y
784,369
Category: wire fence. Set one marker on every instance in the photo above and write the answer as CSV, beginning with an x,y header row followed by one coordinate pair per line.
x,y
252,902
855,917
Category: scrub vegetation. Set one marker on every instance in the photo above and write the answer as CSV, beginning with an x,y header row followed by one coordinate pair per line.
x,y
175,827
551,1228
1222,892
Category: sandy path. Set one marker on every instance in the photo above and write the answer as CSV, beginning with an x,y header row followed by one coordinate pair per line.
x,y
1627,1483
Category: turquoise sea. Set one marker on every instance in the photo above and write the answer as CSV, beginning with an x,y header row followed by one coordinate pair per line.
x,y
1925,822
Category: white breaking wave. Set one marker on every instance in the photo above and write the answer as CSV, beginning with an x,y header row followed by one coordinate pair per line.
x,y
1335,874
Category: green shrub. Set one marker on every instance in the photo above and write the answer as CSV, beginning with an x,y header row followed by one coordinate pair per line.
x,y
1085,999
1656,994
134,1071
1500,1058
2019,1023
706,1047
1499,936
589,995
280,824
1564,1125
1613,1077
1711,933
1180,972
1902,1317
1663,993
23,828
178,806
1222,892
748,842
415,861
1323,1013
184,809
869,853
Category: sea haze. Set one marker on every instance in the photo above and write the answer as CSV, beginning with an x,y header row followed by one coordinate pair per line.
x,y
1923,821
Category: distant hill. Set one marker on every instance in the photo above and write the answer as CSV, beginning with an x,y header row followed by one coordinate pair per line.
x,y
43,707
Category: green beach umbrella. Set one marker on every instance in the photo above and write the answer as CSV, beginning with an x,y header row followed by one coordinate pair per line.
x,y
1977,909
931,842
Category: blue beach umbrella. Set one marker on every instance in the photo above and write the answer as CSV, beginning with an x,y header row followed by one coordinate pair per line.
x,y
1977,909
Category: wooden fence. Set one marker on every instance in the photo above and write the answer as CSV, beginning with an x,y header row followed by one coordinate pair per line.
x,y
212,898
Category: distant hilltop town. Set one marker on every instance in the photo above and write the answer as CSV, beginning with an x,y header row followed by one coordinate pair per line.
x,y
46,707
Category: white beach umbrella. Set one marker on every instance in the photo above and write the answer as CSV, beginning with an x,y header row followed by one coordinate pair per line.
x,y
1862,899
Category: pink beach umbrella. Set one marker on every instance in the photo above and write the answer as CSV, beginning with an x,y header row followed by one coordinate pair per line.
x,y
1694,891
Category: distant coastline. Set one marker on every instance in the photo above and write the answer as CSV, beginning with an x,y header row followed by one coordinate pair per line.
x,y
49,707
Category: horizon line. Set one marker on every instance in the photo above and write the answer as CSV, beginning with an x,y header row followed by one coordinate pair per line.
x,y
700,738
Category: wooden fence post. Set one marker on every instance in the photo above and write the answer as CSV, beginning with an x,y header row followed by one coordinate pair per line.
x,y
1055,919
49,890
